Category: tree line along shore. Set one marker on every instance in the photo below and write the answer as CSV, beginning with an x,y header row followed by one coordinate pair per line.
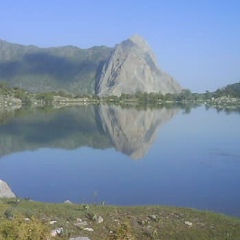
x,y
228,97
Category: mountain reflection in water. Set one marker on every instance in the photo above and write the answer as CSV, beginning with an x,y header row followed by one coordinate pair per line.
x,y
129,130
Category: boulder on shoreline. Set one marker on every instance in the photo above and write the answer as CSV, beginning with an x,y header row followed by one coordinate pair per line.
x,y
5,190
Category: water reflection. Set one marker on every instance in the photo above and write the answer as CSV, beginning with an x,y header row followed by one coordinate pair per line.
x,y
193,161
130,131
133,131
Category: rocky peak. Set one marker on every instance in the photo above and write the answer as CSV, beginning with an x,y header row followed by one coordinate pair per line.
x,y
133,67
140,42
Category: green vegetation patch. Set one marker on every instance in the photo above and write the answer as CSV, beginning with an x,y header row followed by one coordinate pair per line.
x,y
35,220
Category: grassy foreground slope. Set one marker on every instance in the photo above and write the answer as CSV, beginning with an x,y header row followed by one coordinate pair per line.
x,y
36,220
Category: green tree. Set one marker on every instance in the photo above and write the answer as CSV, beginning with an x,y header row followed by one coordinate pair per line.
x,y
46,98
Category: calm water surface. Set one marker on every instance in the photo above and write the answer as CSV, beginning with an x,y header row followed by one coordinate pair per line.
x,y
124,156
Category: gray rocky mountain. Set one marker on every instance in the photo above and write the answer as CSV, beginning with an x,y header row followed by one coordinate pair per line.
x,y
5,190
128,68
133,68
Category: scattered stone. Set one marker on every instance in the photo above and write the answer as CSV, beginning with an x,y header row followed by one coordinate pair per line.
x,y
57,232
81,224
53,222
99,219
88,229
27,219
68,202
153,217
188,223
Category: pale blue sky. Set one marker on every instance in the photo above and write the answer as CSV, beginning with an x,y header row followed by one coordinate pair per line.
x,y
197,42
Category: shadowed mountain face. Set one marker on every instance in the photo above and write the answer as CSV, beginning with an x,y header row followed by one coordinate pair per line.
x,y
51,69
130,131
130,67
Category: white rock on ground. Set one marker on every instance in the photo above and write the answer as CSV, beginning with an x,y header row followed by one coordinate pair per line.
x,y
5,190
88,229
99,219
57,232
188,223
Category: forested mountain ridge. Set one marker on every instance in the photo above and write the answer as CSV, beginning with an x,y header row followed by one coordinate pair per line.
x,y
128,67
51,69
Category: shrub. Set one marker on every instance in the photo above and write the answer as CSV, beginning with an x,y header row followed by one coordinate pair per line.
x,y
124,232
25,229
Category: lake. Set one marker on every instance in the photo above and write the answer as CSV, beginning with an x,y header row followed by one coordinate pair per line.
x,y
123,156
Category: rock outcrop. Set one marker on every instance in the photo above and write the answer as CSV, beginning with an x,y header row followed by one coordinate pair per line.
x,y
133,68
5,190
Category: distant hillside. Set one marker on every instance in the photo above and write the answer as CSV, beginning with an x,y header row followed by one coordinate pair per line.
x,y
130,67
51,69
231,90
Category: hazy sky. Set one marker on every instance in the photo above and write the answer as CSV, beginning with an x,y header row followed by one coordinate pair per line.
x,y
196,41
